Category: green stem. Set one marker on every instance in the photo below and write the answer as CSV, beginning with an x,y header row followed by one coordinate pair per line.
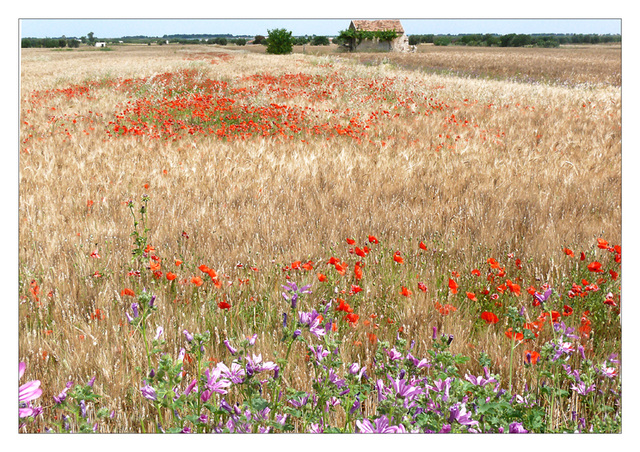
x,y
146,345
513,346
277,386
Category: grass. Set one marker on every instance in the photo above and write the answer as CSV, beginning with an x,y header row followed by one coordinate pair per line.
x,y
472,167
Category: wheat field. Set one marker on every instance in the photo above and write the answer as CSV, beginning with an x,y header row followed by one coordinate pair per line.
x,y
456,148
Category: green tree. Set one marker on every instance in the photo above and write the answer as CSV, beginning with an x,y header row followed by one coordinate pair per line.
x,y
259,39
320,41
279,41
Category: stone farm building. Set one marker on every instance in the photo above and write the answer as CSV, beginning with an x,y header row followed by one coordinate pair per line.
x,y
399,44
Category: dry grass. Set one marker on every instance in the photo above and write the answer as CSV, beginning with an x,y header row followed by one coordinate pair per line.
x,y
546,175
566,65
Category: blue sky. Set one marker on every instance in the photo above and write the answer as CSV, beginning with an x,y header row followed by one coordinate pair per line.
x,y
113,28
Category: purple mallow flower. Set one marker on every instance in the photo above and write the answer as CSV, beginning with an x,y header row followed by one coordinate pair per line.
x,y
190,388
231,349
380,425
404,389
319,353
235,374
293,293
544,297
442,385
188,336
479,380
394,354
517,427
148,392
312,319
582,389
26,393
299,402
458,413
424,362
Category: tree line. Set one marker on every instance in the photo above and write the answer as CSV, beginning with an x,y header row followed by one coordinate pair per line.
x,y
513,39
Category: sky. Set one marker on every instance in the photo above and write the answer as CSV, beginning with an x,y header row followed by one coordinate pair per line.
x,y
114,28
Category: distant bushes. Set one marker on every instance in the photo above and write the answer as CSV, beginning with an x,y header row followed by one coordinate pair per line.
x,y
49,43
512,40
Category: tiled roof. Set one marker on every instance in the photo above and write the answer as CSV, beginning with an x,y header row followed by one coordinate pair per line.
x,y
377,25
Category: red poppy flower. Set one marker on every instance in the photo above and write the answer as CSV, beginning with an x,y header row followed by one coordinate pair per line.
x,y
357,270
493,263
406,292
609,300
343,306
471,296
352,318
569,253
509,334
224,305
170,276
321,277
178,262
453,286
532,357
355,289
128,292
514,288
595,267
614,275
360,252
203,268
341,268
423,246
583,256
197,281
398,258
351,241
489,317
603,244
567,310
475,272
422,286
296,265
307,266
373,240
373,338
154,265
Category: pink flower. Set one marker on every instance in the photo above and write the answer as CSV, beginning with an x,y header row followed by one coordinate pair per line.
x,y
26,393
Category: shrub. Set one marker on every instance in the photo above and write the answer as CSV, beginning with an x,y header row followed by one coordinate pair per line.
x,y
320,41
279,41
259,39
442,41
